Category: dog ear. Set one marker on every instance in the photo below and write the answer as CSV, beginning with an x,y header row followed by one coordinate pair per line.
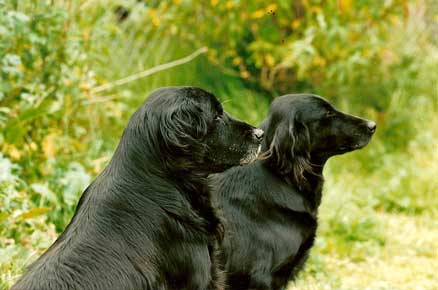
x,y
182,126
289,147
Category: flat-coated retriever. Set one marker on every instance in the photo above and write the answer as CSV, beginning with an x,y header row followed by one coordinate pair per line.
x,y
147,221
271,205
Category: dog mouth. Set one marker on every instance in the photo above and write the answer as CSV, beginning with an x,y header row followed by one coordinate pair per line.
x,y
251,155
354,146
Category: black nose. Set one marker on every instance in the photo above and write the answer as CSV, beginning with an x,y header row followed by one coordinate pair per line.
x,y
258,133
371,126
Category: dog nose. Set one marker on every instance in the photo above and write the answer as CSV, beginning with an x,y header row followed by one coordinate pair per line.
x,y
258,134
371,126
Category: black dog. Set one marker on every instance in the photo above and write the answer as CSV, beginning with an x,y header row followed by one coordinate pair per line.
x,y
271,205
147,222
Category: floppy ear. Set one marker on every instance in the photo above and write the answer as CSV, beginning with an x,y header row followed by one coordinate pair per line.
x,y
289,148
182,126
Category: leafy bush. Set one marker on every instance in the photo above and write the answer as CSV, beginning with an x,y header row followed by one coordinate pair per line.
x,y
288,46
371,58
348,51
44,81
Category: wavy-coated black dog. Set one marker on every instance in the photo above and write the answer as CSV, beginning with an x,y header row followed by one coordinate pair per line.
x,y
147,222
271,205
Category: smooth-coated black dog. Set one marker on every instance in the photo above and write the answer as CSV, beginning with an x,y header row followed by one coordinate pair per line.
x,y
147,221
271,205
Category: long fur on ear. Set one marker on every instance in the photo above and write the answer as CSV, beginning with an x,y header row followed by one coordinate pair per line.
x,y
288,149
182,126
181,129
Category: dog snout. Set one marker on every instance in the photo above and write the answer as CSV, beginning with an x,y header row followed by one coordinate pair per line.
x,y
258,134
371,126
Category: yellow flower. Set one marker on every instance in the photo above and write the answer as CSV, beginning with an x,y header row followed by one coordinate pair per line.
x,y
214,2
316,9
86,34
319,61
270,60
395,20
344,5
151,12
33,146
237,60
244,74
258,14
229,4
271,8
156,21
14,152
295,23
86,87
48,145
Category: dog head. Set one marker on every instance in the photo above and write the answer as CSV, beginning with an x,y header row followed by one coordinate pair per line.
x,y
189,130
303,131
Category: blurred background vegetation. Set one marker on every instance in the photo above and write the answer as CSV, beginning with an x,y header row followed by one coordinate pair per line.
x,y
376,59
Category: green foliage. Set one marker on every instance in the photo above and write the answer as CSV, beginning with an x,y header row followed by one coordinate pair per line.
x,y
374,59
302,45
347,51
43,74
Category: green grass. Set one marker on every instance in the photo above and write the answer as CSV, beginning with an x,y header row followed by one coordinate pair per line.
x,y
378,218
378,221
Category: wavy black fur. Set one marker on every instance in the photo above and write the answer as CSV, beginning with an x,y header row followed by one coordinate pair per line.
x,y
146,222
270,206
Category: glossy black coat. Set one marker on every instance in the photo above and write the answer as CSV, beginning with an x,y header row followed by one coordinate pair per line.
x,y
146,222
270,206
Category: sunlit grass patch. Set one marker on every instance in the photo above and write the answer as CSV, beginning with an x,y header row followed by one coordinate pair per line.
x,y
378,218
408,260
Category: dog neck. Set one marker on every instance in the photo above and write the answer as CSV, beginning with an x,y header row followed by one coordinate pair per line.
x,y
310,187
195,189
185,189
